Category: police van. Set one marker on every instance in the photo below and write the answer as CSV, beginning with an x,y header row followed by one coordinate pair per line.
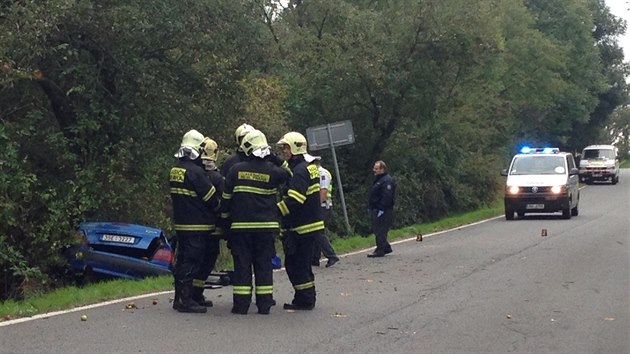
x,y
599,163
541,180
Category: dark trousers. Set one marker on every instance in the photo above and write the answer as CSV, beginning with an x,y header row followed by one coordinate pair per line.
x,y
322,242
191,248
380,227
298,251
208,260
252,249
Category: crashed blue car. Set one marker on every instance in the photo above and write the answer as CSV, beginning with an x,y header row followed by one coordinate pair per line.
x,y
121,250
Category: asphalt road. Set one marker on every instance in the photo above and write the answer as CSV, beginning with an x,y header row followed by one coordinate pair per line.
x,y
494,287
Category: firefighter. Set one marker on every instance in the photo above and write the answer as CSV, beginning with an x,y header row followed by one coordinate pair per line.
x,y
301,221
194,203
209,159
239,155
249,201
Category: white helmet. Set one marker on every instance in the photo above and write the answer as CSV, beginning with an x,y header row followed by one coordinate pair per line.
x,y
255,143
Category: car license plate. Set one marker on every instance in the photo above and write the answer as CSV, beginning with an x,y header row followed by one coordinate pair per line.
x,y
535,206
118,238
597,174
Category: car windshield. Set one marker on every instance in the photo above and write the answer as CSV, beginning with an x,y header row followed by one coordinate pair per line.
x,y
537,165
598,154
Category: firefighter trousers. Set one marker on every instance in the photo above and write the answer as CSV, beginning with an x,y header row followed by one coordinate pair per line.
x,y
252,250
208,260
298,254
191,247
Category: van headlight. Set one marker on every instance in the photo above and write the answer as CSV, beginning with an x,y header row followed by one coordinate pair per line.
x,y
556,189
512,189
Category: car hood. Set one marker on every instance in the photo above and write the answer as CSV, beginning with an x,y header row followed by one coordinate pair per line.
x,y
143,235
536,180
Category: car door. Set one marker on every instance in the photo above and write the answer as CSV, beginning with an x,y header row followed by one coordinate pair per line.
x,y
573,181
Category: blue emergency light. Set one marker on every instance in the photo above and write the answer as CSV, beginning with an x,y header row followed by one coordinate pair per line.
x,y
545,150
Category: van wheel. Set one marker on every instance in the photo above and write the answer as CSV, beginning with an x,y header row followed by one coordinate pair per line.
x,y
566,212
509,214
574,211
520,214
615,180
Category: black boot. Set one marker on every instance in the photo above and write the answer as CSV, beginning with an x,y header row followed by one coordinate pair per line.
x,y
197,296
185,303
176,299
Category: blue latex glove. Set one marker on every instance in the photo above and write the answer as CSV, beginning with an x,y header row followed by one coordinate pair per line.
x,y
380,212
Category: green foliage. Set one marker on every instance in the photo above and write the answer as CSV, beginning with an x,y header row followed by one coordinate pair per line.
x,y
94,98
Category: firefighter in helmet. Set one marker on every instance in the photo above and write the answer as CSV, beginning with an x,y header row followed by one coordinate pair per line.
x,y
301,220
249,201
211,246
195,202
239,155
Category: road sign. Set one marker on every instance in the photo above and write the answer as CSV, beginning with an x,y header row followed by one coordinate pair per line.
x,y
340,133
319,137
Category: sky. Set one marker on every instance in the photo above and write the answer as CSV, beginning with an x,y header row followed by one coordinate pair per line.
x,y
621,8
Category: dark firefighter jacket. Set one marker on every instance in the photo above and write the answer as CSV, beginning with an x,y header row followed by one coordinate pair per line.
x,y
195,200
300,207
218,182
250,196
382,193
232,160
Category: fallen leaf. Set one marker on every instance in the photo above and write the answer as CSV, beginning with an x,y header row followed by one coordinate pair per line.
x,y
509,316
339,314
131,305
609,318
345,294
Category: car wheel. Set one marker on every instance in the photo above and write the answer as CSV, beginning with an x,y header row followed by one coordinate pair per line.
x,y
509,214
574,211
615,179
520,214
88,276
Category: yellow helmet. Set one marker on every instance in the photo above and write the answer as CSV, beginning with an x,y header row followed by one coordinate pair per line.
x,y
210,150
193,139
255,143
296,141
241,131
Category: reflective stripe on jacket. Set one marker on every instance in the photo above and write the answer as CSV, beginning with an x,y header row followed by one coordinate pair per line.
x,y
195,198
300,207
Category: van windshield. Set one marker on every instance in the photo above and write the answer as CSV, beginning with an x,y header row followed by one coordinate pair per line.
x,y
598,154
538,165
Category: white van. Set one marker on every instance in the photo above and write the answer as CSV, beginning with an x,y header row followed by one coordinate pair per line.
x,y
541,180
599,163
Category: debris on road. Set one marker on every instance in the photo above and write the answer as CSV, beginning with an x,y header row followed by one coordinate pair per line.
x,y
84,318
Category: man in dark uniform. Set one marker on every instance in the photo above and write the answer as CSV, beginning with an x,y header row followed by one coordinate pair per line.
x,y
381,207
239,155
209,159
301,221
249,201
195,202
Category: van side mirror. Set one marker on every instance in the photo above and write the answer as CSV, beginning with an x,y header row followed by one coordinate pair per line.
x,y
574,171
504,172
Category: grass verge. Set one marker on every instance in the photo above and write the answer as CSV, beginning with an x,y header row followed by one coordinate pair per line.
x,y
69,297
